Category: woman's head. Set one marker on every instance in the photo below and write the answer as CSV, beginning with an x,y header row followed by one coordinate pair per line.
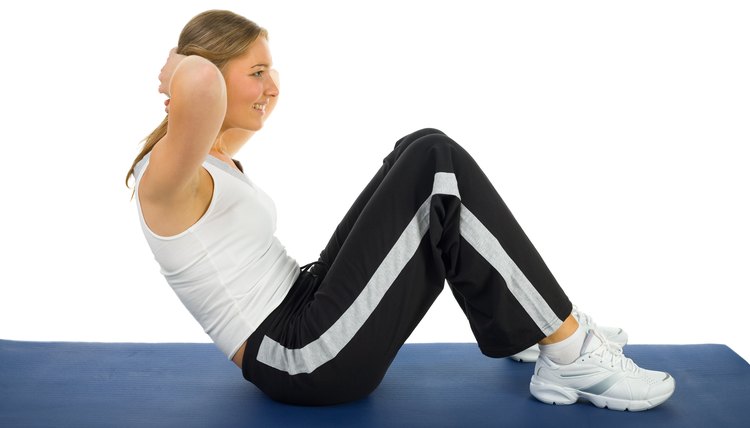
x,y
239,48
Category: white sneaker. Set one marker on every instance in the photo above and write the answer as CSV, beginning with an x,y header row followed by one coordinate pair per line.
x,y
613,334
601,375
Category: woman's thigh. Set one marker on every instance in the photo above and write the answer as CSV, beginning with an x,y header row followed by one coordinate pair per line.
x,y
331,250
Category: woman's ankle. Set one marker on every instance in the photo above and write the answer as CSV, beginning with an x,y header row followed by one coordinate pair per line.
x,y
568,327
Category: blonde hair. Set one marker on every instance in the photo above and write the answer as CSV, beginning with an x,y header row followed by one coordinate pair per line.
x,y
217,35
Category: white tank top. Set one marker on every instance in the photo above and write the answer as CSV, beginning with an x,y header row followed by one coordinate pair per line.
x,y
228,269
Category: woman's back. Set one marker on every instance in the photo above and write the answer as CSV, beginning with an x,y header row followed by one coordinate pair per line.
x,y
227,267
210,229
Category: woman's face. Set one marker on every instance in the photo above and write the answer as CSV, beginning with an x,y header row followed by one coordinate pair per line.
x,y
252,87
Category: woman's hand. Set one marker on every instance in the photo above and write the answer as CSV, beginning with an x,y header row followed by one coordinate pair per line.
x,y
165,76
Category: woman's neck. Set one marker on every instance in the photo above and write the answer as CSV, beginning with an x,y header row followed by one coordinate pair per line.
x,y
229,142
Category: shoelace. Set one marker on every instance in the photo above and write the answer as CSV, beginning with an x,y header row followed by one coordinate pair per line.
x,y
583,318
612,353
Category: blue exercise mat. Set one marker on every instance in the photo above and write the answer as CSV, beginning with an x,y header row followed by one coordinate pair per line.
x,y
74,384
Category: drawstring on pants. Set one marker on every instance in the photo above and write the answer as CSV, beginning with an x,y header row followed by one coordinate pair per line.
x,y
307,267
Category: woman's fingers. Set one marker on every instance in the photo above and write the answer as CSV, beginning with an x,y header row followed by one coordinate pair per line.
x,y
165,74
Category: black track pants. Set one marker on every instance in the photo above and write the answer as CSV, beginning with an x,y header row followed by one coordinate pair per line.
x,y
428,216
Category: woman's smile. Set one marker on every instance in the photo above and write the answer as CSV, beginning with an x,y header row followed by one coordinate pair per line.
x,y
260,108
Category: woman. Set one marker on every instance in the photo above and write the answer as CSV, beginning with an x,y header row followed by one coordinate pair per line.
x,y
326,333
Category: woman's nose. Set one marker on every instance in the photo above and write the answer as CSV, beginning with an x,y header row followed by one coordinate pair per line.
x,y
272,84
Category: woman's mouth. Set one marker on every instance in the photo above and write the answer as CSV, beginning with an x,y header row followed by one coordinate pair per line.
x,y
260,108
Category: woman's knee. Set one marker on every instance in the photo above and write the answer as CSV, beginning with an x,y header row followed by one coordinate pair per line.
x,y
421,145
409,138
430,142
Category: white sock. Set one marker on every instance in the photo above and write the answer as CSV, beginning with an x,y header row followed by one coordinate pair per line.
x,y
567,350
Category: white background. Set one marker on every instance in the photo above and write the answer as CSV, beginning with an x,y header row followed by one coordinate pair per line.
x,y
616,132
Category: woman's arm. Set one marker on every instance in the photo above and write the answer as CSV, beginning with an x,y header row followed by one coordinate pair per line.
x,y
197,107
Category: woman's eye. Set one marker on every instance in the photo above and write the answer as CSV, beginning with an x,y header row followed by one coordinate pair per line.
x,y
258,73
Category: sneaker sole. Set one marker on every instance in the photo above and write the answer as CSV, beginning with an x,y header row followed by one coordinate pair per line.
x,y
555,394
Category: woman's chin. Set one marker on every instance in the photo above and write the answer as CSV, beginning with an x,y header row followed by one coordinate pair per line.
x,y
255,125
